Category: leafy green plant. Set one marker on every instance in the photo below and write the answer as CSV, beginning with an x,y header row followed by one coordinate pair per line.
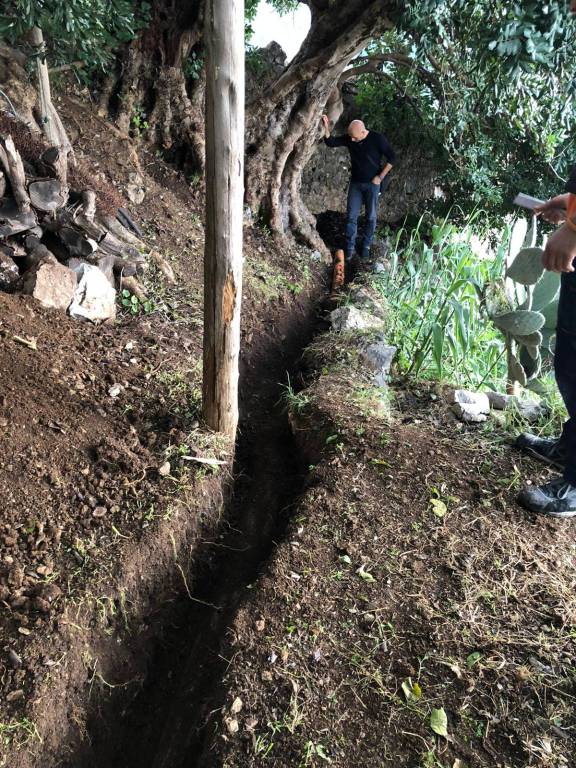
x,y
295,402
90,31
524,306
134,305
433,290
484,89
193,66
138,122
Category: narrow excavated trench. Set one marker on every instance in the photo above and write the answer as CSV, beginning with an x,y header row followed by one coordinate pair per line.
x,y
166,724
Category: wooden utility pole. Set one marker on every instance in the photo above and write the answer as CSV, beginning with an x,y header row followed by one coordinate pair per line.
x,y
224,38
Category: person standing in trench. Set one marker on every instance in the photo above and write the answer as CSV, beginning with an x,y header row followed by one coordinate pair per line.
x,y
369,176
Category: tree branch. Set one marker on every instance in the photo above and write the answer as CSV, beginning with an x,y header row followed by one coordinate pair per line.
x,y
373,66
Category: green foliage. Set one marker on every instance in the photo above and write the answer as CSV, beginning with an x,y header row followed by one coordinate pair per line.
x,y
434,293
193,66
86,30
527,267
250,11
488,92
133,304
138,122
528,297
520,322
255,62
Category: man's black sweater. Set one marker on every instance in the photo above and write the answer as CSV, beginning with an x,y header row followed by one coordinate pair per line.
x,y
366,155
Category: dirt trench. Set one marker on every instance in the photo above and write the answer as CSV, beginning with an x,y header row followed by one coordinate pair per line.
x,y
165,724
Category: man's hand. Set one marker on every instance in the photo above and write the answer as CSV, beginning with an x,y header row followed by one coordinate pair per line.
x,y
377,180
326,123
560,250
554,210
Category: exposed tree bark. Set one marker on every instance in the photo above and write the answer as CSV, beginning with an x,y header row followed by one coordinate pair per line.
x,y
89,204
373,65
153,89
283,123
50,122
224,212
18,96
14,170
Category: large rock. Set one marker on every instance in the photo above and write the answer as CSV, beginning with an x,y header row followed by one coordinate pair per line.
x,y
263,66
8,270
106,265
531,410
94,298
368,300
379,250
500,401
471,406
350,318
53,285
379,358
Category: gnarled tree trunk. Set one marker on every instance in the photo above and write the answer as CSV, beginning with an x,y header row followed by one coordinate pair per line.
x,y
283,123
152,93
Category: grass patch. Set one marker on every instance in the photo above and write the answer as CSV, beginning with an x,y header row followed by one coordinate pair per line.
x,y
268,284
18,734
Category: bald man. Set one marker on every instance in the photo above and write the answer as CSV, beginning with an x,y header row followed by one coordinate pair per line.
x,y
367,150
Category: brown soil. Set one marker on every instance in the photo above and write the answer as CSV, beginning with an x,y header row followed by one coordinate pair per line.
x,y
362,564
377,609
95,538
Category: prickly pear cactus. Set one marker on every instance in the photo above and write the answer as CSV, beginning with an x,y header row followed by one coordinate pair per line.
x,y
528,307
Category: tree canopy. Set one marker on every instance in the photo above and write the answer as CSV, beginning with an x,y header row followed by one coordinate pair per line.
x,y
487,86
90,31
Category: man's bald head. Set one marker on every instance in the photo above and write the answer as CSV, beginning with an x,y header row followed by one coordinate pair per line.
x,y
357,130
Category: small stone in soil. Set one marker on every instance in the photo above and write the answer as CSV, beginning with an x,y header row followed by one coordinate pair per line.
x,y
99,512
15,695
164,470
232,725
15,660
236,706
251,723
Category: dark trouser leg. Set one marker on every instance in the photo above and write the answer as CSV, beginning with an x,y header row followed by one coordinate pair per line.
x,y
565,367
353,211
370,195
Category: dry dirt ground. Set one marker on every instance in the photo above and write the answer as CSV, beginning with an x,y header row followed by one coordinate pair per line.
x,y
409,586
94,523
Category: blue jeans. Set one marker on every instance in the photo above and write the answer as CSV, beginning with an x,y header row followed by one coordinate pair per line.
x,y
358,193
565,367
